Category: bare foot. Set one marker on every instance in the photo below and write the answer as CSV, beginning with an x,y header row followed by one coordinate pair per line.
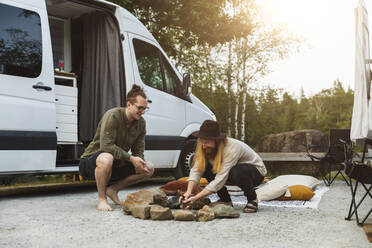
x,y
103,205
113,195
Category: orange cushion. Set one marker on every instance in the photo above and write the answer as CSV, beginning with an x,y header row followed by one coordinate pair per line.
x,y
298,192
172,187
203,182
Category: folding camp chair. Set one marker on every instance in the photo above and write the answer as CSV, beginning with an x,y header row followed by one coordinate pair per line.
x,y
361,172
335,156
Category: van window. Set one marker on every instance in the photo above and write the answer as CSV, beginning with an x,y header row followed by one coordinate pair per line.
x,y
148,62
57,35
154,68
171,80
20,42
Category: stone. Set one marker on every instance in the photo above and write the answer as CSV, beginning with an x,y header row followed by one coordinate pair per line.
x,y
174,202
183,215
293,141
205,214
224,211
160,197
146,197
127,209
198,204
158,212
140,211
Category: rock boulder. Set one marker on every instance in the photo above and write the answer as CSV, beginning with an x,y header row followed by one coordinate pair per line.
x,y
183,215
140,211
294,141
146,197
158,212
205,214
225,211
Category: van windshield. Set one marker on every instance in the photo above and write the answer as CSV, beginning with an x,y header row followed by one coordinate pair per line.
x,y
20,42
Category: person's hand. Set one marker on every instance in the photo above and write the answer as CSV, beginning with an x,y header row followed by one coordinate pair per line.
x,y
188,202
139,165
184,197
190,199
142,169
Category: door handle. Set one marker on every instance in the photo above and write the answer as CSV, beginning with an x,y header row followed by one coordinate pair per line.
x,y
41,87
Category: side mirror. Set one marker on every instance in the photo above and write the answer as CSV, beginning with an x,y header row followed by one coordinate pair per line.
x,y
186,83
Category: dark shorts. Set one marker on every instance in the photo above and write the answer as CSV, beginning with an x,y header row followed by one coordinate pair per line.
x,y
120,169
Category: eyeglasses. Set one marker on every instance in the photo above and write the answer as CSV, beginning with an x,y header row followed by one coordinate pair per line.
x,y
141,108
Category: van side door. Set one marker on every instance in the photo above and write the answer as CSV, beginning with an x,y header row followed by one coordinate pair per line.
x,y
166,116
27,105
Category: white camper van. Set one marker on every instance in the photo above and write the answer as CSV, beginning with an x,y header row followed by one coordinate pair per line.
x,y
63,64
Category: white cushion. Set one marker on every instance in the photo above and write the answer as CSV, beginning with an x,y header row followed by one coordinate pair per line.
x,y
271,191
291,180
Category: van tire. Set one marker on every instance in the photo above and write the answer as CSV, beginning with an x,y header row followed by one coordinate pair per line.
x,y
185,161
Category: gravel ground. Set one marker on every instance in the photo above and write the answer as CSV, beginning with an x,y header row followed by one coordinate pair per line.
x,y
71,220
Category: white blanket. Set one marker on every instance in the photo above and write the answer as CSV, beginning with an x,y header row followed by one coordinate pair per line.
x,y
240,200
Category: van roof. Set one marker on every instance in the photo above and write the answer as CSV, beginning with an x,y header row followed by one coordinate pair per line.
x,y
135,25
128,22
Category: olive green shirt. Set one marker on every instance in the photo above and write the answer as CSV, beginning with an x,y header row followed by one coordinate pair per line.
x,y
116,136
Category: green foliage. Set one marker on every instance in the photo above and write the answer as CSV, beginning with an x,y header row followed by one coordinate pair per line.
x,y
333,107
253,130
272,111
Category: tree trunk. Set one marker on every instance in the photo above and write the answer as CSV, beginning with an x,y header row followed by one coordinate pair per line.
x,y
243,115
229,83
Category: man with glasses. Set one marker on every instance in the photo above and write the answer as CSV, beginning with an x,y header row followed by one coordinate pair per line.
x,y
107,157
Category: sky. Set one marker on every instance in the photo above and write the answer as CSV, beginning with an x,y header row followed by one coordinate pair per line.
x,y
327,27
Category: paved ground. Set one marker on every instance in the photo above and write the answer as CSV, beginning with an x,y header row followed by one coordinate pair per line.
x,y
70,220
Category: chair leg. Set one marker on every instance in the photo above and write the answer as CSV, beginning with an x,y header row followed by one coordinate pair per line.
x,y
339,172
365,218
329,179
352,203
330,175
368,190
343,176
365,195
354,206
325,180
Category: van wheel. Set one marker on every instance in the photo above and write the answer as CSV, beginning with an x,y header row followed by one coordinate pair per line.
x,y
185,160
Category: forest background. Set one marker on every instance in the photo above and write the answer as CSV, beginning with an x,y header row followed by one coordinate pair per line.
x,y
226,46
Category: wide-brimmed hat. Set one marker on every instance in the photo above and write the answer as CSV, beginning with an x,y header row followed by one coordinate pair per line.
x,y
209,130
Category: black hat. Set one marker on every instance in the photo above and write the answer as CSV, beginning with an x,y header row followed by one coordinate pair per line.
x,y
209,130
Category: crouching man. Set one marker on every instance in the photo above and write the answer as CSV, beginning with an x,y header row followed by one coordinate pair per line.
x,y
107,157
220,159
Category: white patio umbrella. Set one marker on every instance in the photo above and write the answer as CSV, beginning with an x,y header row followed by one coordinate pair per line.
x,y
361,123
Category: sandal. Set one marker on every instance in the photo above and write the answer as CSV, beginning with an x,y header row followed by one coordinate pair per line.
x,y
251,207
